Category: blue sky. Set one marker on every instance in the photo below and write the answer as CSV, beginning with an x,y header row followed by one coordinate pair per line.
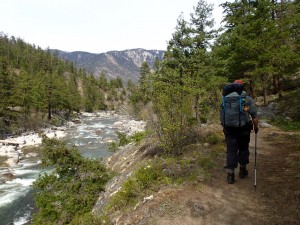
x,y
96,25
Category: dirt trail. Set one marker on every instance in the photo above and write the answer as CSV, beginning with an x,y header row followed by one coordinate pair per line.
x,y
276,199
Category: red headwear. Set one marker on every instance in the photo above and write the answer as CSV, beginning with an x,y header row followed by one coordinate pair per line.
x,y
239,82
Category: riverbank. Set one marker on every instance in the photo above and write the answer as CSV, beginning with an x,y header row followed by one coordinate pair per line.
x,y
11,148
14,149
91,133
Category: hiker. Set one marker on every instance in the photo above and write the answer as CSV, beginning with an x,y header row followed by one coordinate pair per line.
x,y
238,117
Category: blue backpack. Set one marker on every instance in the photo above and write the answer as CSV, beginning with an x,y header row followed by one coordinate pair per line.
x,y
234,107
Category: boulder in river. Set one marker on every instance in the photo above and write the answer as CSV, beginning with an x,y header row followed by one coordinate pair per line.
x,y
32,154
7,176
98,132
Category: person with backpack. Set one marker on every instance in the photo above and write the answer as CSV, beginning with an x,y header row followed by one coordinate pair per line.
x,y
238,117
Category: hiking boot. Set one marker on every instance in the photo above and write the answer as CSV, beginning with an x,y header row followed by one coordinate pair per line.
x,y
243,172
230,178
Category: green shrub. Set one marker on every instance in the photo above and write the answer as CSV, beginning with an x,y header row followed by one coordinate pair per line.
x,y
287,125
147,176
136,187
205,162
123,140
214,138
124,197
71,190
138,136
113,147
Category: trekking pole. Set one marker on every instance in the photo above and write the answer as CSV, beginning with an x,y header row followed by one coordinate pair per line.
x,y
255,153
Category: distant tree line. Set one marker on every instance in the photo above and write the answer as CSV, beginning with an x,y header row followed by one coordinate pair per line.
x,y
37,85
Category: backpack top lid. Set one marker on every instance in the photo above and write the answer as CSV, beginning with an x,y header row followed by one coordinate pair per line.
x,y
233,87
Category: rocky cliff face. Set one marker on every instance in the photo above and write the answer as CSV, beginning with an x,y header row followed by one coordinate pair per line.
x,y
124,64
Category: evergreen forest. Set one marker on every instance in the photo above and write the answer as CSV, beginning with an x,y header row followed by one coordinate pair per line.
x,y
38,88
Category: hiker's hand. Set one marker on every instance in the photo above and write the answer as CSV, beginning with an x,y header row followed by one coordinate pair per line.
x,y
256,130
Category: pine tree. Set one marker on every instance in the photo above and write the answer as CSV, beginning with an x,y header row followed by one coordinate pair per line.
x,y
90,93
24,92
145,83
183,77
6,86
259,48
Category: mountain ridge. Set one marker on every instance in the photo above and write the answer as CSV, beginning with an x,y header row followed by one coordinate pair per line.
x,y
123,64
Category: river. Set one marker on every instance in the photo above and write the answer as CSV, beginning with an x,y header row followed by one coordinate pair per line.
x,y
92,137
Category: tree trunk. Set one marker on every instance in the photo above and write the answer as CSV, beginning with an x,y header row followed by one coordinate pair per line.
x,y
279,88
276,84
265,89
196,107
251,89
265,96
49,111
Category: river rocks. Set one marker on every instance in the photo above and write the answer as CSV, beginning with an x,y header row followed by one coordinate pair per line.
x,y
7,150
11,153
7,176
98,132
13,160
55,134
102,114
12,146
76,121
108,140
32,154
130,126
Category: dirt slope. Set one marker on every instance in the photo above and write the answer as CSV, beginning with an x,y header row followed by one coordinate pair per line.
x,y
276,200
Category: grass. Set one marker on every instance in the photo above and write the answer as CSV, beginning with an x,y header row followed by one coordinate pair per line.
x,y
137,137
143,181
192,167
286,124
288,116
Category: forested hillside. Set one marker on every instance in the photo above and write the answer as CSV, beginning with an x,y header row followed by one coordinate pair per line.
x,y
38,88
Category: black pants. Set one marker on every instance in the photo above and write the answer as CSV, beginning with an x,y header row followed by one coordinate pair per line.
x,y
237,142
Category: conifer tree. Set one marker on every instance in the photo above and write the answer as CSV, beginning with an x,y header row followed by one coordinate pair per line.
x,y
24,92
90,93
259,48
184,76
145,82
6,86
